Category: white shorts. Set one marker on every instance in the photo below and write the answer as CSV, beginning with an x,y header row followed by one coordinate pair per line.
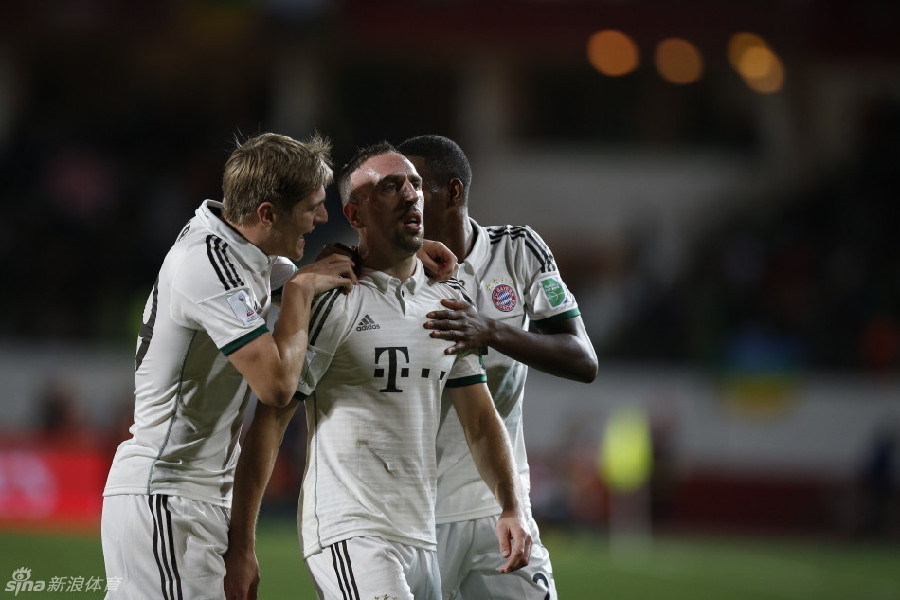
x,y
366,567
164,547
469,555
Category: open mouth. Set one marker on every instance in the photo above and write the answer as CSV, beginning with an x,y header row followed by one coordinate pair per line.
x,y
413,221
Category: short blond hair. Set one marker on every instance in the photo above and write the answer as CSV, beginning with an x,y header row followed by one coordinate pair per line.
x,y
273,168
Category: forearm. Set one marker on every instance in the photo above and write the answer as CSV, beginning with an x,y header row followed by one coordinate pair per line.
x,y
254,469
493,457
291,331
490,446
562,354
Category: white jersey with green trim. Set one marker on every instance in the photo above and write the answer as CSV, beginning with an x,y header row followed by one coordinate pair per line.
x,y
210,298
373,383
512,277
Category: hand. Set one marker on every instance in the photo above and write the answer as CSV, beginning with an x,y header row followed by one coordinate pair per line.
x,y
515,542
439,262
332,264
341,249
241,575
314,283
461,324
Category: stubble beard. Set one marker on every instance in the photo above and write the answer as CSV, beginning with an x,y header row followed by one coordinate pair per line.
x,y
410,244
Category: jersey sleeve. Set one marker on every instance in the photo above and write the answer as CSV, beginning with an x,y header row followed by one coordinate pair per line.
x,y
282,271
325,333
467,370
547,297
207,298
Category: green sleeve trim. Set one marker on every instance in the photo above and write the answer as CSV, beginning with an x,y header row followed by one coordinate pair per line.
x,y
239,343
464,381
569,314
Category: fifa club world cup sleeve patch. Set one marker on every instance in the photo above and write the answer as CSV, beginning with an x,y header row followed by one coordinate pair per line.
x,y
242,305
554,291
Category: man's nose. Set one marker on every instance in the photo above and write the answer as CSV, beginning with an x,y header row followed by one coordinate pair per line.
x,y
409,191
321,215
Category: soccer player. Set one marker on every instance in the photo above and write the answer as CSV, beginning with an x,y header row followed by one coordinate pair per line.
x,y
372,388
203,340
512,277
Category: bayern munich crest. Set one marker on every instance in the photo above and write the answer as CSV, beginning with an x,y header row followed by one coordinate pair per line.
x,y
504,297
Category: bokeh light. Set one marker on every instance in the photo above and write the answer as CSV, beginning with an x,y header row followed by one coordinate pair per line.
x,y
678,61
612,53
755,61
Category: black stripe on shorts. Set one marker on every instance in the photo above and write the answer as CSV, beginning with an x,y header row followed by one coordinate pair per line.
x,y
164,548
343,570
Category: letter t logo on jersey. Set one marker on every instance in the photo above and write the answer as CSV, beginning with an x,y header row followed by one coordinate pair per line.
x,y
393,353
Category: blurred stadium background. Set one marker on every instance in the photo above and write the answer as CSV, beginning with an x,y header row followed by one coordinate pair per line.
x,y
716,179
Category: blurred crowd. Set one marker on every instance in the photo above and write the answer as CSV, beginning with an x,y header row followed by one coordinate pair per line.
x,y
810,281
806,282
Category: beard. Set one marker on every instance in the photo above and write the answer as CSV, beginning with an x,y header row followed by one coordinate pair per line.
x,y
410,243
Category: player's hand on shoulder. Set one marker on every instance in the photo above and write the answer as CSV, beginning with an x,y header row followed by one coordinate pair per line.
x,y
314,282
335,266
351,252
460,323
515,542
437,259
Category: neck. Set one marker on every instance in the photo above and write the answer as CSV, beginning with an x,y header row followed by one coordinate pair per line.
x,y
250,233
454,231
396,264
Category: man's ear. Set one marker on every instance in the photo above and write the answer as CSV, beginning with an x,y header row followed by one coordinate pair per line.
x,y
351,211
266,214
455,189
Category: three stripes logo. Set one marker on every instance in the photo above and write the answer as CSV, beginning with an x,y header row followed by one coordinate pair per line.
x,y
367,323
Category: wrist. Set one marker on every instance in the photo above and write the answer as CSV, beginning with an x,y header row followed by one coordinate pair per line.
x,y
241,543
303,284
492,331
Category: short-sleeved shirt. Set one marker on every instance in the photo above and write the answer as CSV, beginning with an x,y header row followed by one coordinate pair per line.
x,y
372,387
209,300
513,278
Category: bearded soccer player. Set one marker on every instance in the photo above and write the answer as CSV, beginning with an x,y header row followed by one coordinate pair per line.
x,y
372,391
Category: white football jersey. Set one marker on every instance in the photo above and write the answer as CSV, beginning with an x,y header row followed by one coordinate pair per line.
x,y
210,298
373,384
512,277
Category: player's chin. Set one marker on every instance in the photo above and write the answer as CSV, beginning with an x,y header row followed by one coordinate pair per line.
x,y
298,250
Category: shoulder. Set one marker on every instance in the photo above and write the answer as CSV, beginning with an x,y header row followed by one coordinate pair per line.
x,y
205,264
451,288
512,234
522,243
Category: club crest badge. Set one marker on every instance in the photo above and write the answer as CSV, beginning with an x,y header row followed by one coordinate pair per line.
x,y
504,297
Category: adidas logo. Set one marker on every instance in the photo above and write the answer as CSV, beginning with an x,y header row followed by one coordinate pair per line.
x,y
367,323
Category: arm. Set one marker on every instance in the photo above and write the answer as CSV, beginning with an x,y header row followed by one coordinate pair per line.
x,y
490,447
561,348
271,363
254,468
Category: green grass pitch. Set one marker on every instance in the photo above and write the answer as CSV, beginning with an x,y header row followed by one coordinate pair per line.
x,y
587,567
